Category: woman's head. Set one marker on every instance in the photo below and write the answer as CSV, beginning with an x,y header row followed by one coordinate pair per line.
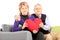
x,y
24,8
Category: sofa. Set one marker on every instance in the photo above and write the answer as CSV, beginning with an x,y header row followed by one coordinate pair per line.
x,y
6,34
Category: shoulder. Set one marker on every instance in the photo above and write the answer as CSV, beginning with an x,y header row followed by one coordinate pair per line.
x,y
33,14
31,17
43,14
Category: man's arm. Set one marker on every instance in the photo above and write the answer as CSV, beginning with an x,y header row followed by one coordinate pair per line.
x,y
47,25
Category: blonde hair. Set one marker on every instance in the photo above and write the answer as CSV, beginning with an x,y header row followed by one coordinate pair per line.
x,y
21,4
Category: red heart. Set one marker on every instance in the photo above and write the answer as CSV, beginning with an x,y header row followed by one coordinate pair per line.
x,y
38,21
33,25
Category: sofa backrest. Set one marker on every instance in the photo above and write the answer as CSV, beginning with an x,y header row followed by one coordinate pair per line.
x,y
6,28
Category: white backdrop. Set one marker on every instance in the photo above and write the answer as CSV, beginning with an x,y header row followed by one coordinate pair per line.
x,y
9,8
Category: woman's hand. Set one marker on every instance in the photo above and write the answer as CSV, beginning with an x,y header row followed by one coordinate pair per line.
x,y
20,26
17,17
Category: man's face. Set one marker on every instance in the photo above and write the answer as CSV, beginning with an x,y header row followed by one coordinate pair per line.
x,y
38,9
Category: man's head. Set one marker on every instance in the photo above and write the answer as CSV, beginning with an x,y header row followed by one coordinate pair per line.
x,y
38,9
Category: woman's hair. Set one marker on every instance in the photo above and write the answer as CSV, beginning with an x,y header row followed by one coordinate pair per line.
x,y
21,4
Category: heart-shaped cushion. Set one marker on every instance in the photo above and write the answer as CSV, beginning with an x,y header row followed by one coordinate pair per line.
x,y
33,25
37,21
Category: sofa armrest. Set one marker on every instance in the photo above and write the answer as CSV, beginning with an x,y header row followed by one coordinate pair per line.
x,y
19,35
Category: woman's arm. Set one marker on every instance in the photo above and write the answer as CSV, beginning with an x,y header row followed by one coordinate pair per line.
x,y
16,23
15,26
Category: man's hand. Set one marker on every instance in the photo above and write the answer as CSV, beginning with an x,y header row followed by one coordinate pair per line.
x,y
35,31
17,17
41,25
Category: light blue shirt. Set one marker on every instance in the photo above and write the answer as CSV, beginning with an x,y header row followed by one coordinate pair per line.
x,y
47,25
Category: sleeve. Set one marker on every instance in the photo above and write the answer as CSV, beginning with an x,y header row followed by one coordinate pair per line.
x,y
47,25
15,26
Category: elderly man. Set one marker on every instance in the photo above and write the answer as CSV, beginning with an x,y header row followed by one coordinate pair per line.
x,y
44,26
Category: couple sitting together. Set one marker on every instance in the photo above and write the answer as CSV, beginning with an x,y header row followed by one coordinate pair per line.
x,y
37,23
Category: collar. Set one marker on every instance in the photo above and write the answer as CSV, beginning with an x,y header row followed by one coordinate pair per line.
x,y
39,16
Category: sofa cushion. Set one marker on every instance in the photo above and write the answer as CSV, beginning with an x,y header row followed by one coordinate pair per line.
x,y
6,28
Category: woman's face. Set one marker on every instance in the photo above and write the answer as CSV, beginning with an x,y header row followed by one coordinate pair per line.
x,y
24,10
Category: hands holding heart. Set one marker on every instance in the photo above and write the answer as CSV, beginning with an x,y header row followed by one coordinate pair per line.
x,y
33,25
